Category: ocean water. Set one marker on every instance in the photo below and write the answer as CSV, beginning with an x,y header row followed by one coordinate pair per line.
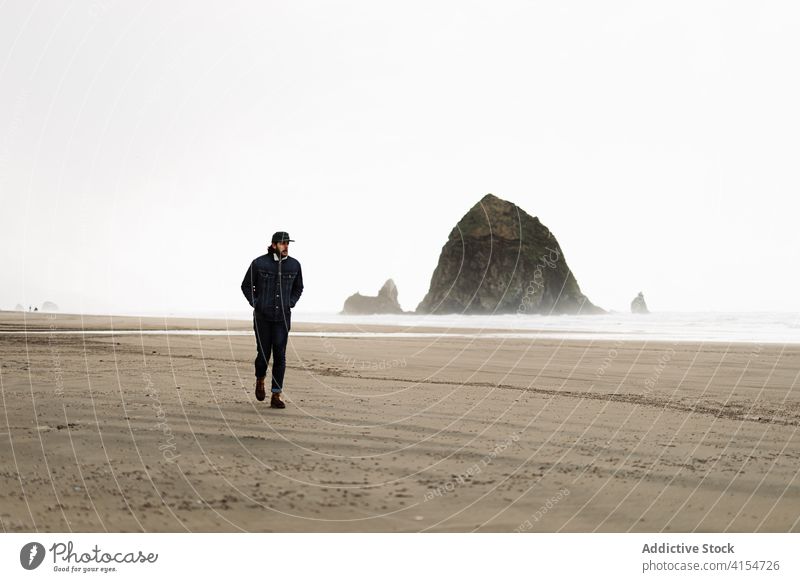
x,y
726,327
760,327
764,327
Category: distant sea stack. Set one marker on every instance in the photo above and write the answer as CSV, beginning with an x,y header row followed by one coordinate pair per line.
x,y
500,259
385,302
638,304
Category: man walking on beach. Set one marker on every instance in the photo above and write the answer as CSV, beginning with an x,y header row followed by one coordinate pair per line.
x,y
272,285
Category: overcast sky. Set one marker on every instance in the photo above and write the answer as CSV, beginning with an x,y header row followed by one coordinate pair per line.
x,y
148,150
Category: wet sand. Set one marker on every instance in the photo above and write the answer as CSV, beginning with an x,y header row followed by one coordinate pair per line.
x,y
163,432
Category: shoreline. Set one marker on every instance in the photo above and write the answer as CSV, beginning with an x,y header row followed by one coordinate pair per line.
x,y
32,323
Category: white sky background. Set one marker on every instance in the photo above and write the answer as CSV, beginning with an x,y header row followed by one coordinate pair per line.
x,y
149,150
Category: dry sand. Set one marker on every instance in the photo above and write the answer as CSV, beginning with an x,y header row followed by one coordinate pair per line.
x,y
163,433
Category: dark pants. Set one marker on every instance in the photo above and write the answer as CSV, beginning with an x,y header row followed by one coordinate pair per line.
x,y
271,338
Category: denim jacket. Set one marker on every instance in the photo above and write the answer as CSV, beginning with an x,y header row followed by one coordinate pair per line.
x,y
260,285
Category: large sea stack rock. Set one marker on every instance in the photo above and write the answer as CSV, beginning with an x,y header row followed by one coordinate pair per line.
x,y
499,259
385,302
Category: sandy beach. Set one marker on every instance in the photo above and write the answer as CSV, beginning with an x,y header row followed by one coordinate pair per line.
x,y
161,432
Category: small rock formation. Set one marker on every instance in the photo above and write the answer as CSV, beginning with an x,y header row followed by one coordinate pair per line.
x,y
638,304
49,306
385,302
499,259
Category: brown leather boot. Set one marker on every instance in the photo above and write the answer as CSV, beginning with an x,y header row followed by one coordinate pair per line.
x,y
276,401
261,392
